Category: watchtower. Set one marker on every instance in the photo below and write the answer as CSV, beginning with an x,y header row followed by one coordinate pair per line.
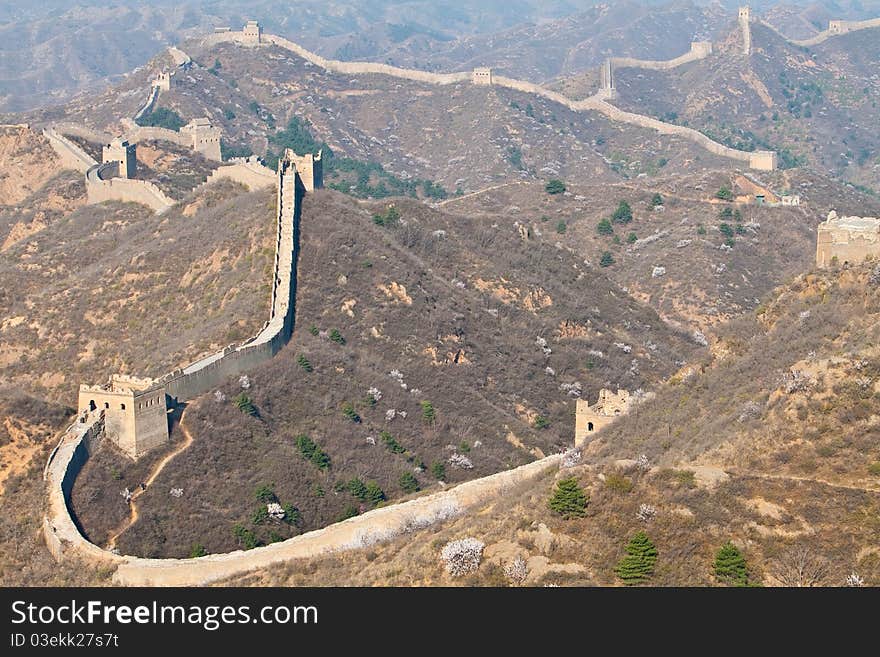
x,y
252,34
205,138
482,75
135,412
590,419
163,81
309,168
606,80
123,155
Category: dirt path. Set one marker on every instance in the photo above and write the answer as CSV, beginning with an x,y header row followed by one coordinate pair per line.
x,y
478,192
823,482
157,469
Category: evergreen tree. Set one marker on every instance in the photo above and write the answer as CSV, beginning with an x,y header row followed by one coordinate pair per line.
x,y
554,186
304,363
730,566
375,494
623,214
408,482
656,200
638,564
604,227
606,260
569,500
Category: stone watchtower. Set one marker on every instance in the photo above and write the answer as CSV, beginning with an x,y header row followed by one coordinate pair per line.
x,y
252,34
122,154
847,240
135,412
482,76
607,89
163,81
205,138
589,419
745,18
309,168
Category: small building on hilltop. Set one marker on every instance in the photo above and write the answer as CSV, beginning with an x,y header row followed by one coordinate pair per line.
x,y
847,240
591,418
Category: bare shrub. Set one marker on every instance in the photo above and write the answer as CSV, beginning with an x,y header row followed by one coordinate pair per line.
x,y
801,567
516,571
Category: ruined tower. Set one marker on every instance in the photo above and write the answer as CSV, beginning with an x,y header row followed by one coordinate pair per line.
x,y
608,407
135,412
122,154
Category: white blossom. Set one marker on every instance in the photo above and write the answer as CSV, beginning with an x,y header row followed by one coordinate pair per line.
x,y
516,571
855,580
625,348
219,396
275,510
176,492
646,512
460,461
390,414
415,392
371,440
642,463
244,382
462,556
375,393
700,338
571,458
549,370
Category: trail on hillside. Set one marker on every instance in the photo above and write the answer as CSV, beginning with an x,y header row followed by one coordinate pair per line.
x,y
810,480
157,469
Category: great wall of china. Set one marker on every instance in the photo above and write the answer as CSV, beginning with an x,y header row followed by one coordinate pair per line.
x,y
61,532
63,536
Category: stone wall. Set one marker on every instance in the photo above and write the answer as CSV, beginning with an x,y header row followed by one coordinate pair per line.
x,y
136,133
100,189
835,28
70,155
251,174
148,104
699,50
212,370
63,537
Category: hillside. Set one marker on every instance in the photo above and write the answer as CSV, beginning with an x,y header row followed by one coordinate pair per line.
x,y
817,106
457,305
461,136
769,443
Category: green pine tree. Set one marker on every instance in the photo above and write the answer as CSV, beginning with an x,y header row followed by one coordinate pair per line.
x,y
730,566
638,564
569,500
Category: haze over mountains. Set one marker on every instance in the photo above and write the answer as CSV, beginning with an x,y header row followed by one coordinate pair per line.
x,y
445,265
51,50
